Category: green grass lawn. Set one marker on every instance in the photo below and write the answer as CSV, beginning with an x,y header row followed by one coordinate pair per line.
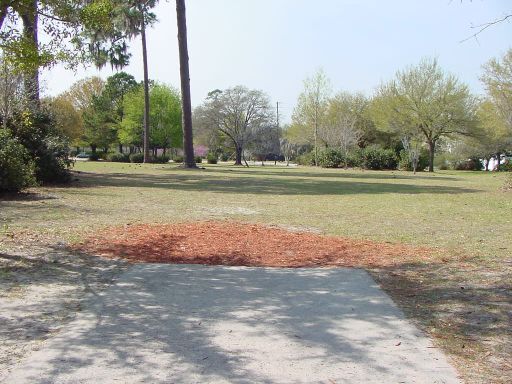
x,y
464,301
461,211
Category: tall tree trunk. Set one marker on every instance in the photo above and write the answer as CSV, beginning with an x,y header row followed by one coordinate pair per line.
x,y
431,153
498,160
186,103
30,33
238,158
120,148
147,157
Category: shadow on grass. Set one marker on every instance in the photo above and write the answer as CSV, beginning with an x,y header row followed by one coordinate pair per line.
x,y
338,173
205,182
163,323
467,307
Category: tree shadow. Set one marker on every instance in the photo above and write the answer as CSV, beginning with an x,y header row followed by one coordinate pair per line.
x,y
340,173
167,323
205,182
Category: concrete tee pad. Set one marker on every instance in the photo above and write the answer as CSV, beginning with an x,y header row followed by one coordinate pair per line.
x,y
163,323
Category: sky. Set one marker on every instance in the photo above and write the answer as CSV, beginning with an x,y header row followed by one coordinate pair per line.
x,y
273,45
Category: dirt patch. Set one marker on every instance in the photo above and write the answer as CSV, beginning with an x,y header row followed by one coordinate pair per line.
x,y
232,243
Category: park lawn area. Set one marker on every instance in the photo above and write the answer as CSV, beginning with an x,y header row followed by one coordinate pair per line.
x,y
462,296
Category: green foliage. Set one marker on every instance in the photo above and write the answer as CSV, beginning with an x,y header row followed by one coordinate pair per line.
x,y
95,156
405,164
178,159
162,159
331,158
378,158
198,159
165,117
469,165
307,159
211,158
118,158
17,170
137,158
48,149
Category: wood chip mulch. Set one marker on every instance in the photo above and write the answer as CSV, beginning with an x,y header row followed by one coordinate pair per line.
x,y
232,243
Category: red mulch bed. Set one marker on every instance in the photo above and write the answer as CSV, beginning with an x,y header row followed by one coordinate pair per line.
x,y
232,243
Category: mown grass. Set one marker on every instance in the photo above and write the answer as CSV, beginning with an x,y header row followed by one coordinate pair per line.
x,y
464,301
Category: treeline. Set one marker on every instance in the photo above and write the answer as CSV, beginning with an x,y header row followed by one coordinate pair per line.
x,y
106,117
421,119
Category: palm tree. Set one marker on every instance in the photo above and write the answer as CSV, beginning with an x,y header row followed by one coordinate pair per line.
x,y
186,104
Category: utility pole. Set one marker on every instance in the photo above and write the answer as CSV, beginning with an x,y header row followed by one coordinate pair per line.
x,y
277,105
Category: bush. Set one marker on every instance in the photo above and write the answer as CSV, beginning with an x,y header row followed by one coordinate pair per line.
x,y
95,156
378,158
198,159
469,165
137,158
178,159
405,164
225,157
354,158
331,158
162,159
507,167
45,145
211,158
306,159
118,157
17,170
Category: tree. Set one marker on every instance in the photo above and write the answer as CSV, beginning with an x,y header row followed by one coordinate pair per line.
x,y
116,87
81,94
186,103
310,112
238,114
79,31
165,128
424,100
12,97
95,109
68,121
99,123
345,116
497,79
494,138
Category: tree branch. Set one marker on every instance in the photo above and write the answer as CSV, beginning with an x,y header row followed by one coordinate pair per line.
x,y
483,27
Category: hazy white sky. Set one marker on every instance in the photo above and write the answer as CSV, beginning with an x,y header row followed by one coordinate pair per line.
x,y
273,45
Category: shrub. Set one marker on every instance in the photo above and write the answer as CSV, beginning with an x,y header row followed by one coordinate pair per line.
x,y
405,164
137,158
306,159
225,157
469,165
178,159
198,159
331,158
45,145
95,156
354,158
378,158
162,159
17,170
118,157
211,158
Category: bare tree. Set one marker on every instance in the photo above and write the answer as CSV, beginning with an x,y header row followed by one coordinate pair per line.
x,y
288,149
412,146
239,114
310,111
